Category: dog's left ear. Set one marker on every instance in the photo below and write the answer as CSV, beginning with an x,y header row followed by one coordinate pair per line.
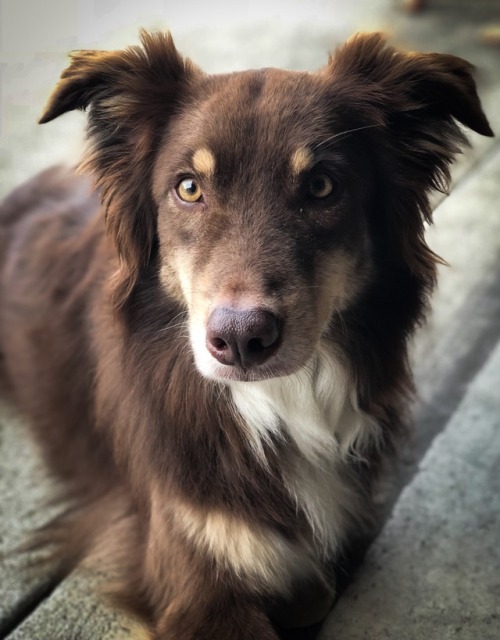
x,y
432,85
130,96
409,104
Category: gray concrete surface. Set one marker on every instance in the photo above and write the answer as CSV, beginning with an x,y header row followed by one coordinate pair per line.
x,y
464,324
25,489
434,572
34,603
435,566
75,611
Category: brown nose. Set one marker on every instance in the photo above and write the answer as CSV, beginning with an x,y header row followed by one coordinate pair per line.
x,y
243,338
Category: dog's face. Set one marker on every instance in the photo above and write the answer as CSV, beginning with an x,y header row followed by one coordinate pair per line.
x,y
262,201
268,200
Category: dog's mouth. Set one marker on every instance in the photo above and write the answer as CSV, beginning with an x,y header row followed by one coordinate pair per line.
x,y
253,374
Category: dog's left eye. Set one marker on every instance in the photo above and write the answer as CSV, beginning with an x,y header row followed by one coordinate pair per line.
x,y
189,190
320,185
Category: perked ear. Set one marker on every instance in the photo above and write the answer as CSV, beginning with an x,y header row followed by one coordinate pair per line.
x,y
416,84
411,103
130,95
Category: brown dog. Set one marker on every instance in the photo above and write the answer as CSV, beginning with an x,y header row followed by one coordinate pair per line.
x,y
213,344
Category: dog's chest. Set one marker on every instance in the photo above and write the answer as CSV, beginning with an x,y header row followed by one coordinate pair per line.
x,y
315,410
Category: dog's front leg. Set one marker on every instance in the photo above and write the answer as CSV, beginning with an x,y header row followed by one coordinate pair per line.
x,y
192,594
225,618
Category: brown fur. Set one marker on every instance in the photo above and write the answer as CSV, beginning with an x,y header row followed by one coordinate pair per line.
x,y
99,291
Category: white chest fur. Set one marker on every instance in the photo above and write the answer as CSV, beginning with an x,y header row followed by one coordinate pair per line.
x,y
316,408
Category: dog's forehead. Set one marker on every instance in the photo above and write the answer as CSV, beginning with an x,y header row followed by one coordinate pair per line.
x,y
237,126
268,104
266,112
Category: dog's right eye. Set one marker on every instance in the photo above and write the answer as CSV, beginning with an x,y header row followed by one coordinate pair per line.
x,y
189,190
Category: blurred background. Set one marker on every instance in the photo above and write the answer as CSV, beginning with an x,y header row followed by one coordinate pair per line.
x,y
220,36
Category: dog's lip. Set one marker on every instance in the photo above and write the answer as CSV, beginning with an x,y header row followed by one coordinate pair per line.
x,y
225,373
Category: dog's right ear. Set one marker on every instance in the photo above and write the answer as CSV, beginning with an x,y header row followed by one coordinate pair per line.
x,y
130,96
94,76
90,76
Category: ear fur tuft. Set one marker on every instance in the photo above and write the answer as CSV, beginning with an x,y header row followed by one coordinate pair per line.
x,y
93,74
430,83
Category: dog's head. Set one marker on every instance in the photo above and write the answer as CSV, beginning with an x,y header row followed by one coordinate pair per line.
x,y
269,201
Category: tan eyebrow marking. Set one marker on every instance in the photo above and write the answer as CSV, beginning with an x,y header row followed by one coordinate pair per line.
x,y
301,160
204,161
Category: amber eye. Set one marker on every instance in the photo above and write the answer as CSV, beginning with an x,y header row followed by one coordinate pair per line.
x,y
320,185
189,190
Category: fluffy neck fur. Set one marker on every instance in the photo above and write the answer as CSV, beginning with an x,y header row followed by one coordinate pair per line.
x,y
316,410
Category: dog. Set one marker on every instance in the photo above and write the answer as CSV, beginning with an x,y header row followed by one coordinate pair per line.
x,y
207,324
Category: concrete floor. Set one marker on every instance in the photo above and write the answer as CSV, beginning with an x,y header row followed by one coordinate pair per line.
x,y
434,571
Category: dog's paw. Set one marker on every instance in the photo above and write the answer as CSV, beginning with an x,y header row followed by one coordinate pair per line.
x,y
309,606
137,631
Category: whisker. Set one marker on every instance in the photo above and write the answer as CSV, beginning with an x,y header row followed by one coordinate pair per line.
x,y
343,134
172,326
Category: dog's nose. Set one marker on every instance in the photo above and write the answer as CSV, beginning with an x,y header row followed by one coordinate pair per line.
x,y
242,337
